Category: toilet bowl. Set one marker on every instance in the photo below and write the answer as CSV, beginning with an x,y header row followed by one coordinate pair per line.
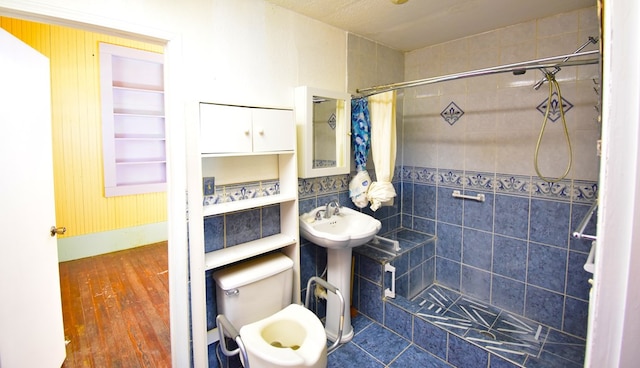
x,y
292,337
256,295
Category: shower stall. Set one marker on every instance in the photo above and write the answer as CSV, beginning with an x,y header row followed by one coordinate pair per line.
x,y
478,134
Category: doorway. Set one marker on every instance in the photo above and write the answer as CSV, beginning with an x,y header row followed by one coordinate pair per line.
x,y
180,333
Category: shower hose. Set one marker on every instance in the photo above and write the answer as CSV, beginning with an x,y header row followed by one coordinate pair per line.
x,y
553,84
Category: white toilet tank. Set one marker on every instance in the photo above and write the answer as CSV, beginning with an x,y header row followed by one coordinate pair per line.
x,y
252,290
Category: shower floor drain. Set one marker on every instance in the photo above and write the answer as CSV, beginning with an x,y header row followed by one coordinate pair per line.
x,y
487,334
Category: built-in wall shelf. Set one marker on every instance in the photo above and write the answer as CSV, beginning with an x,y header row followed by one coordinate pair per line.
x,y
133,122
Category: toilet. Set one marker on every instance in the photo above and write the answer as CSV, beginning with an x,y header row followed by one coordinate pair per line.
x,y
255,296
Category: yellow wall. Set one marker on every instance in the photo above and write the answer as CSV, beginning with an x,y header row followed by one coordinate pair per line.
x,y
77,132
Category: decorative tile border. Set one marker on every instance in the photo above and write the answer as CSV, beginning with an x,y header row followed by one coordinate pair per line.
x,y
450,178
513,184
407,173
397,173
426,175
581,191
520,185
560,190
479,181
242,191
324,163
585,191
312,187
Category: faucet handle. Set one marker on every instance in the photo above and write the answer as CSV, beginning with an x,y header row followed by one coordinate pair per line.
x,y
337,209
318,216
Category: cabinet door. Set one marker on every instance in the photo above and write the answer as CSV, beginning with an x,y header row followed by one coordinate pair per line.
x,y
273,130
224,129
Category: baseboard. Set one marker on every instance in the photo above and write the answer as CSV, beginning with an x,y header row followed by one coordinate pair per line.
x,y
88,245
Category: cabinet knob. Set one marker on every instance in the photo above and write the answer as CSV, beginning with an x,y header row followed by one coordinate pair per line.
x,y
246,132
261,131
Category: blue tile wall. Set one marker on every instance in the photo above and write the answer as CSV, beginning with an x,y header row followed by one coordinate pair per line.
x,y
476,248
513,250
508,294
510,257
430,338
414,264
464,354
224,231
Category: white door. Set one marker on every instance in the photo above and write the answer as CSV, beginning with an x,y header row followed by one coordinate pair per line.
x,y
31,329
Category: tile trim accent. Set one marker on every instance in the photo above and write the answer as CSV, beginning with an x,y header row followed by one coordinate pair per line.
x,y
578,191
242,191
311,187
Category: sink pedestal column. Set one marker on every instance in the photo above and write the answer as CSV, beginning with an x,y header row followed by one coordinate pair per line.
x,y
339,275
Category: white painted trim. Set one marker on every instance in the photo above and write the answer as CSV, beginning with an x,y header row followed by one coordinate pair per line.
x,y
88,245
614,328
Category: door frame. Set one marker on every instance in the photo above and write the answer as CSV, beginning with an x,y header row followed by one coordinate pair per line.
x,y
176,172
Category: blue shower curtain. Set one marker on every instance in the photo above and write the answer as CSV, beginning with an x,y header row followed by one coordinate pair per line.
x,y
361,140
361,132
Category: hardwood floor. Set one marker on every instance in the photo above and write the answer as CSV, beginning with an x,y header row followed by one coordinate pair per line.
x,y
116,309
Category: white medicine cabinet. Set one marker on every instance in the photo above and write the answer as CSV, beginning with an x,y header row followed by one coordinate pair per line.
x,y
324,132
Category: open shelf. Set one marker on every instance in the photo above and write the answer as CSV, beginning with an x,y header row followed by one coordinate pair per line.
x,y
247,250
220,208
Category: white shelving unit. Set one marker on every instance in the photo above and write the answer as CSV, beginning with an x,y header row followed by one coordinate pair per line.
x,y
238,144
133,122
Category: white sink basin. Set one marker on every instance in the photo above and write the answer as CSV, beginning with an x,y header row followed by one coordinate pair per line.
x,y
347,229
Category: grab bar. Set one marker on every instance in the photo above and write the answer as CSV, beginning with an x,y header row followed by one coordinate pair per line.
x,y
579,233
478,197
390,293
589,264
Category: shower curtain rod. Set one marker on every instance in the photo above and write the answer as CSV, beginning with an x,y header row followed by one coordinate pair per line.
x,y
520,67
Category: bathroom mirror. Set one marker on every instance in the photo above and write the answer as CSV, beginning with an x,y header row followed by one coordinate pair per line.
x,y
323,126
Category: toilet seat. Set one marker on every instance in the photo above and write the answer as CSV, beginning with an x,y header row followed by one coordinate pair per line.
x,y
292,337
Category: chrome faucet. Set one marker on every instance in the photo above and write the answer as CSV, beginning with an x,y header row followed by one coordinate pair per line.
x,y
336,205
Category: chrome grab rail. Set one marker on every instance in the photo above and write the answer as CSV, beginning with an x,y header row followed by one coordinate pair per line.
x,y
478,197
335,290
579,233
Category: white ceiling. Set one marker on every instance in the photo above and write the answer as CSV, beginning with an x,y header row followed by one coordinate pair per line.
x,y
420,23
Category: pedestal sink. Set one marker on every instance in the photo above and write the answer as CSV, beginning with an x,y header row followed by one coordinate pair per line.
x,y
339,234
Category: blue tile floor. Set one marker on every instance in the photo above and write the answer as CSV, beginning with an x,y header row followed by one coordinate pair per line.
x,y
451,330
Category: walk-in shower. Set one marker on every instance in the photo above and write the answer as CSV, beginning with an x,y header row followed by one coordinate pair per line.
x,y
503,273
